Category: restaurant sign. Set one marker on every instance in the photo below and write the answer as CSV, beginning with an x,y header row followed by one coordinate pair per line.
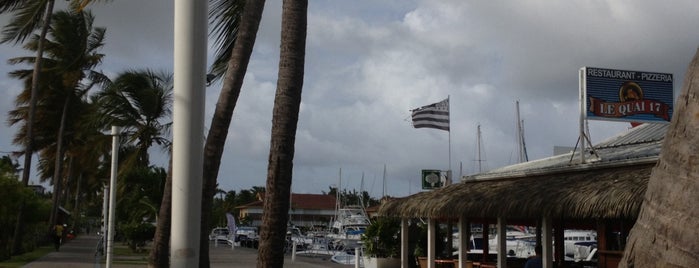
x,y
632,96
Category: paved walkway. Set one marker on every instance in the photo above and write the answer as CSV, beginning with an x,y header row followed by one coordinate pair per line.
x,y
80,253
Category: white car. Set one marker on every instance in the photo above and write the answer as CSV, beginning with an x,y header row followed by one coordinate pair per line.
x,y
219,233
246,233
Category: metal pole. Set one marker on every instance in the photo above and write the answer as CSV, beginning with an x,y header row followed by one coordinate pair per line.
x,y
583,105
449,122
105,217
431,242
404,231
188,130
112,194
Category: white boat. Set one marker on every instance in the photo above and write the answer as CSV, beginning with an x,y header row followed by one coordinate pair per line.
x,y
346,258
579,244
350,223
320,246
294,235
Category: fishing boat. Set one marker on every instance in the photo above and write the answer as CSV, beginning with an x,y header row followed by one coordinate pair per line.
x,y
349,222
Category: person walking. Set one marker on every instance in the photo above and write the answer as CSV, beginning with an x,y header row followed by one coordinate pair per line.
x,y
57,235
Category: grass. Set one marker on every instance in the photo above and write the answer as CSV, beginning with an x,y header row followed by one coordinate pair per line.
x,y
21,260
122,255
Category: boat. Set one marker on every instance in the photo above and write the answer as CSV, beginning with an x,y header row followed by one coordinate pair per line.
x,y
294,236
579,244
346,257
320,246
349,222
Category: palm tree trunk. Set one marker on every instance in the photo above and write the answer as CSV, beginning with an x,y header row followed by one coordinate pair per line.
x,y
58,168
666,231
29,149
159,256
287,101
221,121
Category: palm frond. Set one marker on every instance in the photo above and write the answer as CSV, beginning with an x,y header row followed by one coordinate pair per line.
x,y
11,5
224,16
25,20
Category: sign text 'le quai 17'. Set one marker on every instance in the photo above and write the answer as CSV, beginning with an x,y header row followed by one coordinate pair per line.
x,y
633,96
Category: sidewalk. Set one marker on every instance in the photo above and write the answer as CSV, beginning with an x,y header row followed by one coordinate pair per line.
x,y
80,253
77,253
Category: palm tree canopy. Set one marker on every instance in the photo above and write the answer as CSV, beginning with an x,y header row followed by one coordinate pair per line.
x,y
138,101
72,52
224,18
28,15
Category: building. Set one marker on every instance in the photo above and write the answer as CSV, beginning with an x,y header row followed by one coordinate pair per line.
x,y
560,192
306,210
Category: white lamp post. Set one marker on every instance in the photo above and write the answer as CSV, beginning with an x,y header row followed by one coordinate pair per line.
x,y
188,130
112,194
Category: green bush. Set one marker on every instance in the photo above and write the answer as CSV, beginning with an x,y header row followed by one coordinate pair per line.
x,y
137,234
382,238
12,194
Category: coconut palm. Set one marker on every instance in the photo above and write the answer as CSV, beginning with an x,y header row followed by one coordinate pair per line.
x,y
71,55
28,15
287,101
141,101
235,34
666,231
159,255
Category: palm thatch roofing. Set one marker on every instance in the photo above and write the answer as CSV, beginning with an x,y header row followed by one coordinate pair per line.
x,y
609,193
612,186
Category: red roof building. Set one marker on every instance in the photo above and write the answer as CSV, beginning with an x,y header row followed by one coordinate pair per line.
x,y
306,210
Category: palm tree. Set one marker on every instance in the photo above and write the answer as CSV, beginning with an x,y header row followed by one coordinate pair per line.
x,y
140,101
666,231
236,37
25,9
284,122
159,255
71,55
28,16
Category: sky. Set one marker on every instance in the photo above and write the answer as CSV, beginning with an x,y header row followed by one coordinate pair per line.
x,y
368,63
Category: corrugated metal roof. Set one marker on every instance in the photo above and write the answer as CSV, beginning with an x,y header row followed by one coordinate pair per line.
x,y
645,133
636,145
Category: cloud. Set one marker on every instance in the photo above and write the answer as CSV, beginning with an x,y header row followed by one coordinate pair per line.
x,y
368,63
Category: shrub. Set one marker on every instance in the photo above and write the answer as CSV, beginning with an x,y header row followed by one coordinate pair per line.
x,y
137,234
382,238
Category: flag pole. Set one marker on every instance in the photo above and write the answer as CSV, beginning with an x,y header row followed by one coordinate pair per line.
x,y
449,131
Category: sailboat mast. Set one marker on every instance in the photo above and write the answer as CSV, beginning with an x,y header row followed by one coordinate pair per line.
x,y
480,168
384,182
338,196
361,192
522,149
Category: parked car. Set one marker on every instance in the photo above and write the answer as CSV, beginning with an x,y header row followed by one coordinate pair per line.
x,y
246,233
247,236
219,233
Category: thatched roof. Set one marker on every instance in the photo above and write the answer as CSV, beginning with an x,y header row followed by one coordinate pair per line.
x,y
611,185
609,192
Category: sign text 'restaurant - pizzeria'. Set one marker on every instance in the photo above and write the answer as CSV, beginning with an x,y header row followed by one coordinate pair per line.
x,y
633,96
